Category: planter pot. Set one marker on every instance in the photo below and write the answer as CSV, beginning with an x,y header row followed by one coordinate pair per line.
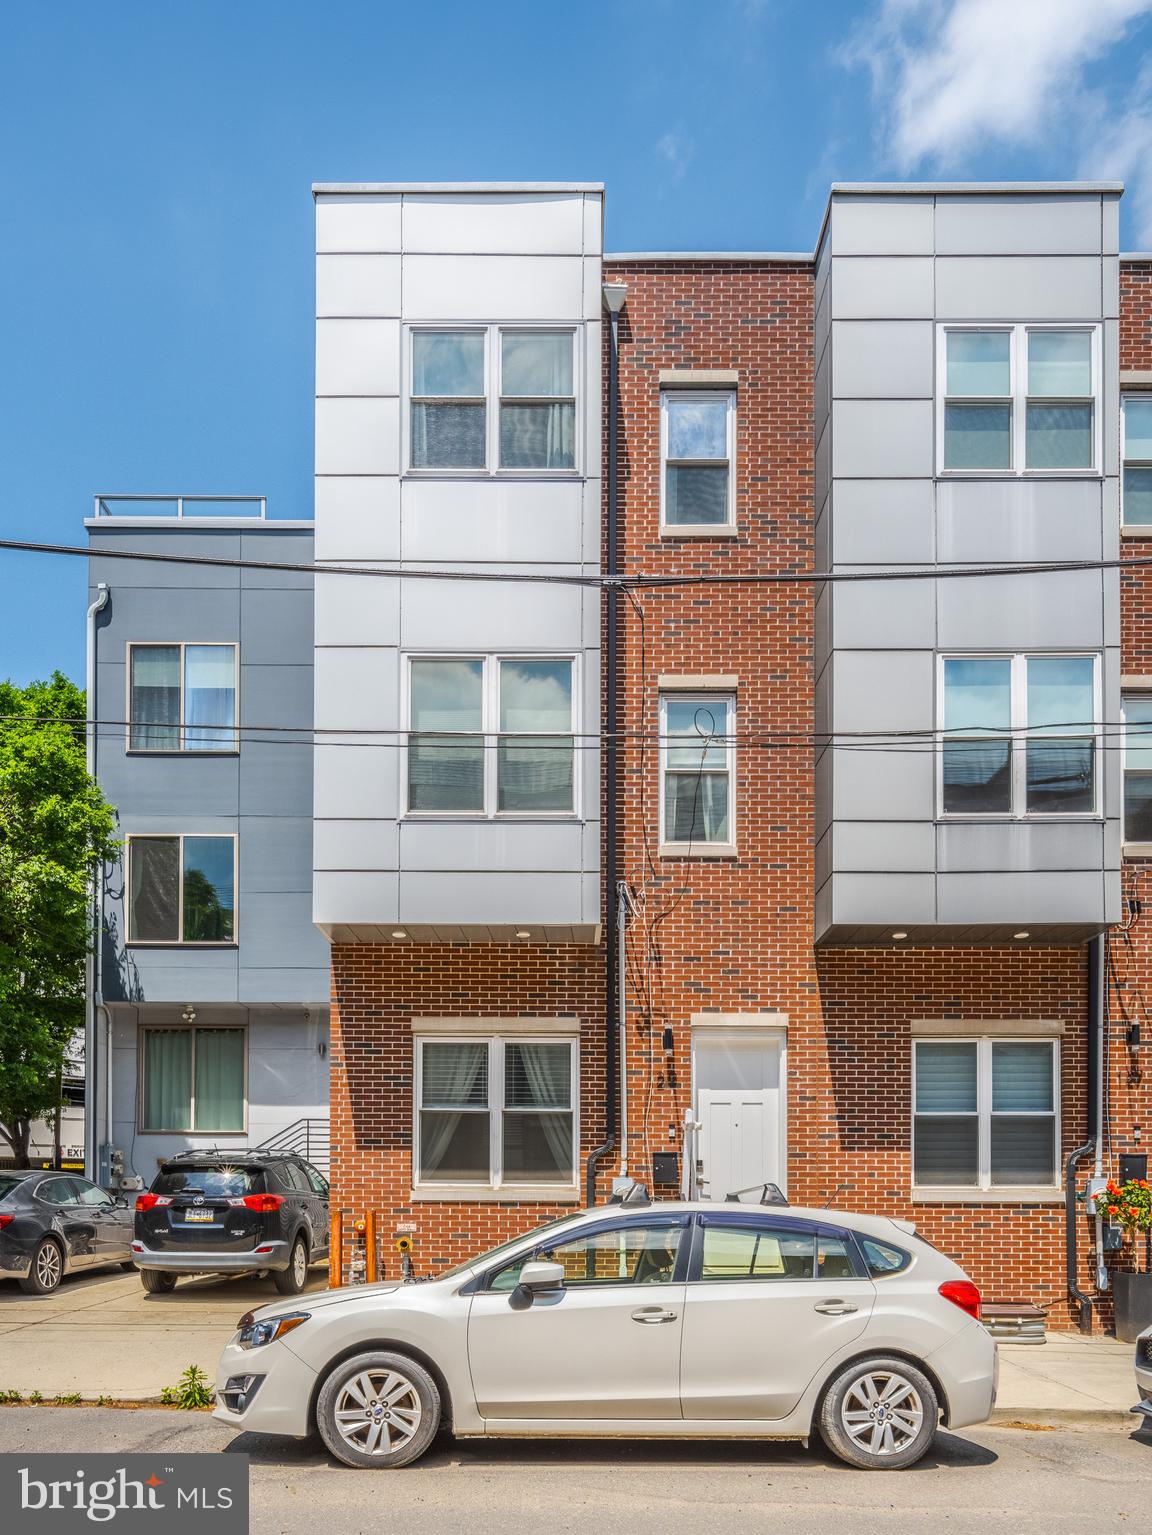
x,y
1133,1296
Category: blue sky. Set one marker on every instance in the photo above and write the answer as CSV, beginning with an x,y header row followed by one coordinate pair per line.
x,y
157,267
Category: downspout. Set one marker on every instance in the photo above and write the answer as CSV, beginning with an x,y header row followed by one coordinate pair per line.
x,y
1096,982
623,910
614,295
95,908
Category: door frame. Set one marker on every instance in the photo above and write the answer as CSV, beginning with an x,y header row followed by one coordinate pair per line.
x,y
772,1027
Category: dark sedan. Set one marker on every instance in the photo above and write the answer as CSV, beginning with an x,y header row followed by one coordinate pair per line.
x,y
52,1224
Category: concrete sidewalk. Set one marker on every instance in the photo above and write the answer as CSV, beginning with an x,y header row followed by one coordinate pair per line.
x,y
105,1336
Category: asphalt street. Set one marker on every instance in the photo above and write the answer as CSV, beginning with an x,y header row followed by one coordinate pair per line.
x,y
1024,1480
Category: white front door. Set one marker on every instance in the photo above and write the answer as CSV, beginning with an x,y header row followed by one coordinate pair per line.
x,y
739,1084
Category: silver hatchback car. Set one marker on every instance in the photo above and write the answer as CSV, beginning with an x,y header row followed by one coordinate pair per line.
x,y
673,1319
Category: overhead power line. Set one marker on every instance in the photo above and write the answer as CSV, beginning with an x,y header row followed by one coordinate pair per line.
x,y
637,581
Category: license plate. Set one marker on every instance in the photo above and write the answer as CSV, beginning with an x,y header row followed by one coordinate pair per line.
x,y
198,1215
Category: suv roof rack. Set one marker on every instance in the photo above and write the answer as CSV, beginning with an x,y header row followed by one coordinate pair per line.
x,y
637,1194
230,1154
770,1194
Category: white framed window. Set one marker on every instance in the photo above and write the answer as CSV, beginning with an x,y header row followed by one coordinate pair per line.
x,y
697,458
496,1111
985,1113
697,771
492,399
182,697
1019,735
193,1079
492,735
180,888
1018,399
1136,452
1136,712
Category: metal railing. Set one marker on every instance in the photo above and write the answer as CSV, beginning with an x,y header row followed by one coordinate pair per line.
x,y
308,1138
132,505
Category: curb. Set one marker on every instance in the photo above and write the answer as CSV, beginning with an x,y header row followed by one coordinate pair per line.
x,y
1064,1417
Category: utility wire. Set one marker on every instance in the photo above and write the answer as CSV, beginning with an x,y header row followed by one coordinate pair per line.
x,y
637,582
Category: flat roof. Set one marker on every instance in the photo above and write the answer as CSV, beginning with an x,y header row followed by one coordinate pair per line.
x,y
191,524
329,188
926,188
794,256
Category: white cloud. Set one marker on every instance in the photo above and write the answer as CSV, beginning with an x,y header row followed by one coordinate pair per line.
x,y
677,150
1119,147
951,77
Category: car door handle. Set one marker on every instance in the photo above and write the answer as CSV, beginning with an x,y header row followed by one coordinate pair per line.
x,y
653,1314
834,1307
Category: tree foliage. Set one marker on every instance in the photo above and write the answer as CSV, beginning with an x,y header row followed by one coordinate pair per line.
x,y
55,829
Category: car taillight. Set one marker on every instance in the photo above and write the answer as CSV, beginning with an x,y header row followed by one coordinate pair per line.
x,y
151,1201
6,1220
962,1293
264,1203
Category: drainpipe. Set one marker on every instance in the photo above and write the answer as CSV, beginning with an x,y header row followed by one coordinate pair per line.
x,y
624,908
614,295
1096,985
95,909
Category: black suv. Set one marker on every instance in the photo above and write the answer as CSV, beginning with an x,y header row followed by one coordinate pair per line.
x,y
210,1213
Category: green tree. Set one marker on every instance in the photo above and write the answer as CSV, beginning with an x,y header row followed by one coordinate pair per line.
x,y
55,828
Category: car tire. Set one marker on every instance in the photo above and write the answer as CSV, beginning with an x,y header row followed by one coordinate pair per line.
x,y
128,1266
291,1281
46,1269
879,1414
157,1282
397,1401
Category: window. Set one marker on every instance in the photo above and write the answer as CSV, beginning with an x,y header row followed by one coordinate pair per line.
x,y
985,1113
759,1250
496,1112
1136,428
193,1079
630,1254
57,1191
492,735
181,889
532,374
697,769
182,698
881,1258
1018,398
697,447
1137,712
1019,735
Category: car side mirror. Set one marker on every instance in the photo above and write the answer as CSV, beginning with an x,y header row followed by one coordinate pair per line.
x,y
536,1279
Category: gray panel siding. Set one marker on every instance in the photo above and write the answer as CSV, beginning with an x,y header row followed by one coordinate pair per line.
x,y
899,268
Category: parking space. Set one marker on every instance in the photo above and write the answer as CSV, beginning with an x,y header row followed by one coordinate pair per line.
x,y
103,1335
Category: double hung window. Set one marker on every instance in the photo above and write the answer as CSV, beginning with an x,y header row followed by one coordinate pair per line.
x,y
192,1079
487,398
697,448
1019,398
1137,711
1018,735
697,768
985,1113
1136,426
182,698
492,735
496,1111
181,889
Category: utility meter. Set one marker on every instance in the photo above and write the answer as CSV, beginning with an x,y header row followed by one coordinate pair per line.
x,y
1092,1200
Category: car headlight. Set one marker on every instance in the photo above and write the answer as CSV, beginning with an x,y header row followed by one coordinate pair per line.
x,y
254,1334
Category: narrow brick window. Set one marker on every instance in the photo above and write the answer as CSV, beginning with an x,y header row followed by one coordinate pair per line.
x,y
697,770
1136,419
1137,712
697,439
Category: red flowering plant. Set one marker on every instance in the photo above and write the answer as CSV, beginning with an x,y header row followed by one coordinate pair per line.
x,y
1130,1205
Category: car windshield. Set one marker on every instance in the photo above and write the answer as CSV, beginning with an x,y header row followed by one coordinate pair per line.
x,y
504,1247
213,1182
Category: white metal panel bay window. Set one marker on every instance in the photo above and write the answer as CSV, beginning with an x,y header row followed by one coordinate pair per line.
x,y
985,1113
181,889
1019,735
697,769
1018,399
192,1079
492,735
486,399
697,450
182,697
495,1111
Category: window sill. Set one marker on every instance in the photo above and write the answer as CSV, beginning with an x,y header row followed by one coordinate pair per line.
x,y
501,817
1135,850
697,850
1039,1194
492,474
1019,474
527,1193
1136,530
204,1135
177,751
700,530
176,943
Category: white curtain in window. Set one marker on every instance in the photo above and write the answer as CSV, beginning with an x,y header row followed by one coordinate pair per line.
x,y
209,697
548,1077
155,701
452,1074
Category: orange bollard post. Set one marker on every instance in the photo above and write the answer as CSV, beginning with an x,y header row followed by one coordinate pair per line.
x,y
370,1247
336,1252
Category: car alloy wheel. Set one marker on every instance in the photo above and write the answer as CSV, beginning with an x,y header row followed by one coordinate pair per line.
x,y
882,1413
48,1265
300,1265
378,1412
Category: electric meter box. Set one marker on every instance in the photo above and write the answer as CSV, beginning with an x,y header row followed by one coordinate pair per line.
x,y
1096,1187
